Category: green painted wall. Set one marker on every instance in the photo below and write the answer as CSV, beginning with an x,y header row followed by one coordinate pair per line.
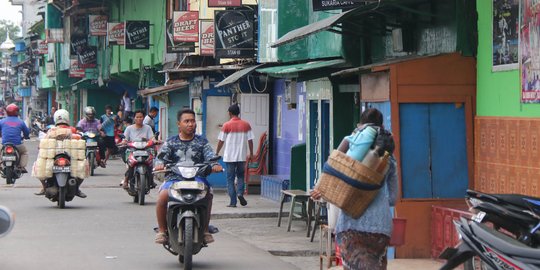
x,y
154,11
498,93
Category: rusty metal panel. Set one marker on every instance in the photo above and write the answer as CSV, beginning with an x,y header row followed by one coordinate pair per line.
x,y
375,87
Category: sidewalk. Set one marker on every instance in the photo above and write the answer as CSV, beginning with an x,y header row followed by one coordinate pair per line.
x,y
256,224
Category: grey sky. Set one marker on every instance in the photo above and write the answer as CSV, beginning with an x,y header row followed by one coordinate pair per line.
x,y
9,12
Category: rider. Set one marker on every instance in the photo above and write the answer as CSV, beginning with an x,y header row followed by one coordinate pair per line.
x,y
61,120
90,124
186,146
10,130
134,132
108,123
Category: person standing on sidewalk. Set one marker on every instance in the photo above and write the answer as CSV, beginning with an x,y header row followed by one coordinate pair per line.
x,y
235,133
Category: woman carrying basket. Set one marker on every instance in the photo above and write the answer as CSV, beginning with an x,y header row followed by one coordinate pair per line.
x,y
363,241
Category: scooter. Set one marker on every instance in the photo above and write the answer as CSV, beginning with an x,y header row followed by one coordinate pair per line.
x,y
92,151
140,158
187,209
7,220
61,187
483,247
9,168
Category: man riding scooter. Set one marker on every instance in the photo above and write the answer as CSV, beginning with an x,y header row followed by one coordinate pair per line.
x,y
90,124
11,128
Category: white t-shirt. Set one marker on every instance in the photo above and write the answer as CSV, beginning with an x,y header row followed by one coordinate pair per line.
x,y
127,103
235,134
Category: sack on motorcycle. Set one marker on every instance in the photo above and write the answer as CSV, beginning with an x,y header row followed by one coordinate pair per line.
x,y
348,183
40,170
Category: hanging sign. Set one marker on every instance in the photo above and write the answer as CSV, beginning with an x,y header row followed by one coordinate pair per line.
x,y
97,25
115,33
78,43
75,71
334,4
88,57
186,26
54,35
224,3
137,35
207,41
173,46
42,47
234,32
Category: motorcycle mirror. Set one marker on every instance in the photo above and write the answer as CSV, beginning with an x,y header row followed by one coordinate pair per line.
x,y
6,221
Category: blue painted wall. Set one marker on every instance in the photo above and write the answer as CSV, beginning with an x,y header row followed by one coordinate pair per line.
x,y
281,150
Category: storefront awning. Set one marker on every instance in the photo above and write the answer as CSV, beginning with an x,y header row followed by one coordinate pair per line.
x,y
163,89
371,67
238,75
293,70
200,69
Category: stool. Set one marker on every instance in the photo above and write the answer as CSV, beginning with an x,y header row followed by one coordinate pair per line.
x,y
297,196
326,245
318,206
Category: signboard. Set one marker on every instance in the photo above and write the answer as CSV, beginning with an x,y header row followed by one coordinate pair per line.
x,y
75,71
78,43
97,25
115,33
88,57
529,52
176,47
234,33
54,35
505,34
137,35
334,4
224,3
42,47
207,41
186,26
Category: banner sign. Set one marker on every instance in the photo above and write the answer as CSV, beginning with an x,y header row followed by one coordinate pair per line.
x,y
54,35
529,52
505,34
234,32
137,35
78,43
186,26
224,3
176,47
97,25
42,47
207,41
75,71
88,57
334,4
115,33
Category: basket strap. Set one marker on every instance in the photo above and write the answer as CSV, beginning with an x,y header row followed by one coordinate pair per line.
x,y
354,183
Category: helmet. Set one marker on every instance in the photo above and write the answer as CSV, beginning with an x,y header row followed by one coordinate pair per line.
x,y
61,117
90,112
12,110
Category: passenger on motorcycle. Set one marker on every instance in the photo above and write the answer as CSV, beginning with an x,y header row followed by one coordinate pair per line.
x,y
108,122
61,120
184,147
90,124
134,132
11,128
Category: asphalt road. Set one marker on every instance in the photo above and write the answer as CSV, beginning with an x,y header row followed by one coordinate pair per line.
x,y
104,231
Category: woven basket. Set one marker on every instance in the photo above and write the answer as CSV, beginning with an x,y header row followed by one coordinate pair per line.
x,y
336,190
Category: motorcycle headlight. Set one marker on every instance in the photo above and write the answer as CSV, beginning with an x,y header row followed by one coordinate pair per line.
x,y
188,172
187,196
91,135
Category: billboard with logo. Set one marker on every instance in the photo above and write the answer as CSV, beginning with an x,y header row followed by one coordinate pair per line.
x,y
207,41
137,35
115,33
186,26
234,33
97,25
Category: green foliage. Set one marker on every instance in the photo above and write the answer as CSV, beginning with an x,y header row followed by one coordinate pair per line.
x,y
13,29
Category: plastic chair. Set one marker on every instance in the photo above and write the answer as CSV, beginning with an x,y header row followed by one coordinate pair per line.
x,y
257,165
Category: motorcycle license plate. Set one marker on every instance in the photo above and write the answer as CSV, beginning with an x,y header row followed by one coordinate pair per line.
x,y
60,169
10,158
91,144
140,153
479,217
189,185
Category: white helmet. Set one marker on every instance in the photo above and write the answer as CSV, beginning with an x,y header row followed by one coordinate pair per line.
x,y
61,117
90,112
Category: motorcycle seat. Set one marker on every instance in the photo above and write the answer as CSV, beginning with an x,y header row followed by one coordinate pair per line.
x,y
503,243
512,199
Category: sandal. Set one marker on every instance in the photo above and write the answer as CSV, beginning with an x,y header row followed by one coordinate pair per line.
x,y
208,238
161,238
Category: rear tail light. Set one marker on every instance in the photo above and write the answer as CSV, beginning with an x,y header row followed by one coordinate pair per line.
x,y
9,150
61,162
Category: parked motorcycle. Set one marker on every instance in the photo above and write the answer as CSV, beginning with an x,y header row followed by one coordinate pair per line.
x,y
140,157
61,187
187,210
9,168
7,220
488,247
92,151
37,126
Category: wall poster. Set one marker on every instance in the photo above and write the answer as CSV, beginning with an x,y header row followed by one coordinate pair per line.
x,y
505,34
530,51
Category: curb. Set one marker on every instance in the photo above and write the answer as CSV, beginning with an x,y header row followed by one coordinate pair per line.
x,y
246,215
294,253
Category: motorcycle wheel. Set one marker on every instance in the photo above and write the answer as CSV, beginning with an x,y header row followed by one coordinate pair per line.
x,y
9,175
92,161
475,263
187,258
141,187
61,197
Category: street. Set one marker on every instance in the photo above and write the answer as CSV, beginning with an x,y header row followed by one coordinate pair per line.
x,y
104,231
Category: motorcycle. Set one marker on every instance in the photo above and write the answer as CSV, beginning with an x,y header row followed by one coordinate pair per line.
x,y
9,168
484,247
187,209
37,126
61,187
92,151
140,157
7,220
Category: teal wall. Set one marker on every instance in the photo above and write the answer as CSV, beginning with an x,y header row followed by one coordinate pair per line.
x,y
498,93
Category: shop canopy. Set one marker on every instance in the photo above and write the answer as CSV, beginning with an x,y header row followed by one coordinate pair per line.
x,y
163,89
238,75
291,71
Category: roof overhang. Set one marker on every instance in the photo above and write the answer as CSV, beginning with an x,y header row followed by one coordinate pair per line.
x,y
377,66
202,69
238,75
292,71
163,89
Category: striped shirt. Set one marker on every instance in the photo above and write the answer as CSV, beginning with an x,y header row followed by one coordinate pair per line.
x,y
235,133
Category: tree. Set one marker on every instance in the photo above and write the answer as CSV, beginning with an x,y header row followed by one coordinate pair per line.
x,y
13,29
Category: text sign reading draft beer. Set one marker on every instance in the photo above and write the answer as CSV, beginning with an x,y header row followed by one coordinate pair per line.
x,y
207,41
173,46
116,32
186,26
234,34
137,35
97,25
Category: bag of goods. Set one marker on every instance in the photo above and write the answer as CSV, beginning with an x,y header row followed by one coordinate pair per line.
x,y
38,170
80,144
51,153
48,167
74,168
59,145
81,154
67,144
